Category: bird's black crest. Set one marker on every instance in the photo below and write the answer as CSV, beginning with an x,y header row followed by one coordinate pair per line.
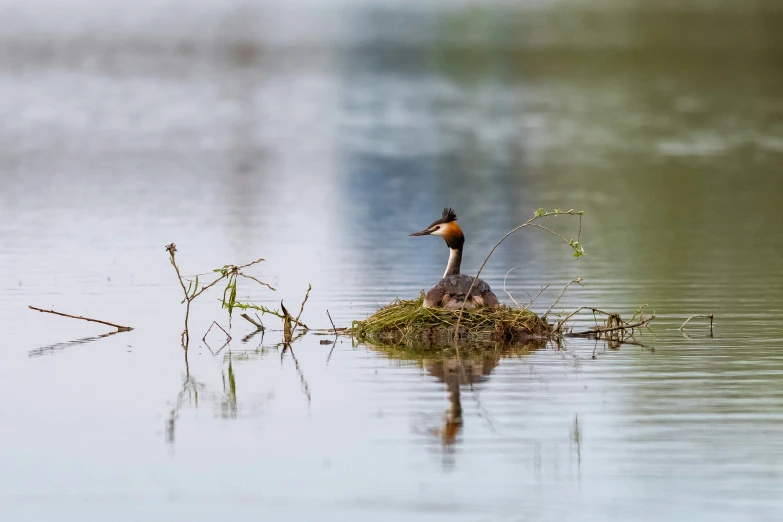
x,y
448,216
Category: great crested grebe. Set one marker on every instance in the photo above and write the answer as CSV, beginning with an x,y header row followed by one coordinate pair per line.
x,y
451,291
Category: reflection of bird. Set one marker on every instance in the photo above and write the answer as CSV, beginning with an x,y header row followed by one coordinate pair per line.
x,y
455,372
451,291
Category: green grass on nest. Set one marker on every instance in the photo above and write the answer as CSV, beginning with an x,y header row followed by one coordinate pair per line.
x,y
410,321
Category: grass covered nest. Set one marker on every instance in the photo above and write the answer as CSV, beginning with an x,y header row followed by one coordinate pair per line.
x,y
410,321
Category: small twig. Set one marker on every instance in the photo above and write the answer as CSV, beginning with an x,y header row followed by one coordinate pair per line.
x,y
533,299
119,327
214,323
258,325
334,328
549,230
334,343
569,316
577,280
301,309
240,267
257,281
504,286
706,316
205,288
598,330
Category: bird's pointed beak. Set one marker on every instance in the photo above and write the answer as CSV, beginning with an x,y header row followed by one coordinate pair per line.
x,y
422,233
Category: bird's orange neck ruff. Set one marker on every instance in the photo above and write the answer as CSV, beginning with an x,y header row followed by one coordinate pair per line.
x,y
455,239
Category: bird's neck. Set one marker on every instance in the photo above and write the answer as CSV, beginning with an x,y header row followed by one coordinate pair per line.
x,y
455,258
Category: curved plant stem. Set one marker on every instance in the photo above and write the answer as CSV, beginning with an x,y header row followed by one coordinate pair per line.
x,y
530,222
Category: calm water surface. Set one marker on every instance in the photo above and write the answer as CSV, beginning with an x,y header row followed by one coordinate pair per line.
x,y
319,140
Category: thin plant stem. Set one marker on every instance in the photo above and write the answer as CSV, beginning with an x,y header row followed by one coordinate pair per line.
x,y
538,215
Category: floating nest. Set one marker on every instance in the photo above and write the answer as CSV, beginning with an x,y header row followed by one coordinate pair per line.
x,y
409,321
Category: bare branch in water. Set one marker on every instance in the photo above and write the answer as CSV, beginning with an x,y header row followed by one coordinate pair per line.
x,y
333,343
706,316
334,328
252,321
214,323
615,329
597,331
119,327
301,309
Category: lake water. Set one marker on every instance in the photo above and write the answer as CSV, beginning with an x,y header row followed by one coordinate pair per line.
x,y
318,139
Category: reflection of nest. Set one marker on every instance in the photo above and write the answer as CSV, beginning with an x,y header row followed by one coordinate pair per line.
x,y
409,321
481,356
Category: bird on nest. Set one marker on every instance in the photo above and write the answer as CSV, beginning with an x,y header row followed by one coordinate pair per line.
x,y
451,291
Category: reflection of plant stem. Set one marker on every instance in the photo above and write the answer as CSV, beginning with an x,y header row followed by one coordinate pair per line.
x,y
229,404
334,343
253,334
53,348
190,389
302,380
215,352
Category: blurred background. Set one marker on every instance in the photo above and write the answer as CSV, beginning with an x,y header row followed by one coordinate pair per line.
x,y
318,135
